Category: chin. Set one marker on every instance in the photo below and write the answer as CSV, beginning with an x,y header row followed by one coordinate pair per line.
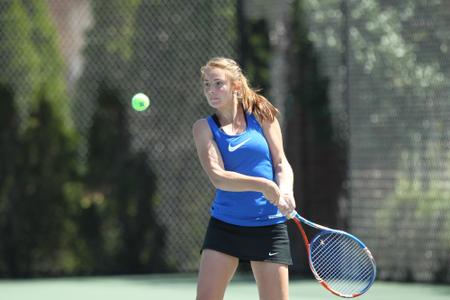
x,y
215,104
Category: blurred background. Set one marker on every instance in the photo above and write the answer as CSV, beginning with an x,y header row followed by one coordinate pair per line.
x,y
90,187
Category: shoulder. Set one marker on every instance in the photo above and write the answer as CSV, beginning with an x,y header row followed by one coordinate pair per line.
x,y
267,124
200,128
272,129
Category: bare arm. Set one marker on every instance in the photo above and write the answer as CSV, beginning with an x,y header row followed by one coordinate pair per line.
x,y
212,163
284,175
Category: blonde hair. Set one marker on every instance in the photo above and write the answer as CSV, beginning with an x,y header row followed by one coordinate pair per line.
x,y
252,102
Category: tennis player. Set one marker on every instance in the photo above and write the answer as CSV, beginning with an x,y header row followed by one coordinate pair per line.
x,y
240,147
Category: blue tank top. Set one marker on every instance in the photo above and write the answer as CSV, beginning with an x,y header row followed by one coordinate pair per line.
x,y
246,153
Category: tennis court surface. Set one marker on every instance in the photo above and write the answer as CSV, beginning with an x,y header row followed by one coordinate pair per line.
x,y
169,287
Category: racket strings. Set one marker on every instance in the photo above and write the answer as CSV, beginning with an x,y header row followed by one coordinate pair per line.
x,y
352,284
342,263
349,281
355,260
322,255
351,274
329,274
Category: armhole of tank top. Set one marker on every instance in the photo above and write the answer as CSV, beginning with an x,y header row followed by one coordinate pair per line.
x,y
255,123
252,121
216,120
213,125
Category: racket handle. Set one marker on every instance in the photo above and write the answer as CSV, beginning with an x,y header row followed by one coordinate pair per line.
x,y
291,215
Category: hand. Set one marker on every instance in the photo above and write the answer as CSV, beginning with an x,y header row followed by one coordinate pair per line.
x,y
286,203
272,192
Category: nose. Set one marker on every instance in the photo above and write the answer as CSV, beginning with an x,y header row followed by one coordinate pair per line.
x,y
209,90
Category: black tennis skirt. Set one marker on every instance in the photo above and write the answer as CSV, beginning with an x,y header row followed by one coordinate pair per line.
x,y
262,243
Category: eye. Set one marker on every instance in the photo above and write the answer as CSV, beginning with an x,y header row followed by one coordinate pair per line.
x,y
219,83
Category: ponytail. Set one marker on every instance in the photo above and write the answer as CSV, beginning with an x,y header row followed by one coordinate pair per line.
x,y
256,103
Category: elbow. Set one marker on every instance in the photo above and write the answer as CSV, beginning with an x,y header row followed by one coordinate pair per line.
x,y
279,167
282,165
217,184
217,179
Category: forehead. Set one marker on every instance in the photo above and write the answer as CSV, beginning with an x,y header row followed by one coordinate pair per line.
x,y
211,74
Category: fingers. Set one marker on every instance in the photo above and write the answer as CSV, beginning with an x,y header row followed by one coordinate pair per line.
x,y
286,204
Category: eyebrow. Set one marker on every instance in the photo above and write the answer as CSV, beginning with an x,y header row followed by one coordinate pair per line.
x,y
214,79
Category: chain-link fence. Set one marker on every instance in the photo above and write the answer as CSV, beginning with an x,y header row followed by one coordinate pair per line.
x,y
172,39
154,47
388,81
389,69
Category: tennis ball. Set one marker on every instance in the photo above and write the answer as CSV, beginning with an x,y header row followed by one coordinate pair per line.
x,y
140,102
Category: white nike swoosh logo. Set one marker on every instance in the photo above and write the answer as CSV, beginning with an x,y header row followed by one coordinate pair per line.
x,y
273,253
235,147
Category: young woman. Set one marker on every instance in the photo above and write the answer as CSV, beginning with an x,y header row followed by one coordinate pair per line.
x,y
240,148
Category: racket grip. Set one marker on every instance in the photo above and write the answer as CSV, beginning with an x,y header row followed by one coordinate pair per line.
x,y
291,215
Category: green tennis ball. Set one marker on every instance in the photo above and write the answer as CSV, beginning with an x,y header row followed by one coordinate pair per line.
x,y
140,102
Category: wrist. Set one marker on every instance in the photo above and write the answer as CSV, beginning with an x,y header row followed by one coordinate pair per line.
x,y
263,185
287,192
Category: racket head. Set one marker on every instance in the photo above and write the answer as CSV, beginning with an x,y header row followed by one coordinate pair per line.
x,y
341,263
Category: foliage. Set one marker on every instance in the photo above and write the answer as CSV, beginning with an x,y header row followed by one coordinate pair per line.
x,y
415,219
168,53
53,218
38,149
30,51
377,39
389,53
36,219
17,50
308,115
256,53
117,221
316,154
107,54
9,149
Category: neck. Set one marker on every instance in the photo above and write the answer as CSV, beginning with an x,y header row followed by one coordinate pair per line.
x,y
230,114
233,120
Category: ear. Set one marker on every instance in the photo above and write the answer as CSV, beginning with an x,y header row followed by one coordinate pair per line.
x,y
236,86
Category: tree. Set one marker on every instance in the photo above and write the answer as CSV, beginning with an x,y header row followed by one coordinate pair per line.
x,y
316,155
20,62
386,63
107,55
255,52
38,144
30,54
118,223
38,217
392,65
44,37
168,54
9,149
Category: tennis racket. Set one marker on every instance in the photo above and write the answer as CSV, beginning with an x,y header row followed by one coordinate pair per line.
x,y
339,261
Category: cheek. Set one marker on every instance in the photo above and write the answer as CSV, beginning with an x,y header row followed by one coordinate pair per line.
x,y
224,90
